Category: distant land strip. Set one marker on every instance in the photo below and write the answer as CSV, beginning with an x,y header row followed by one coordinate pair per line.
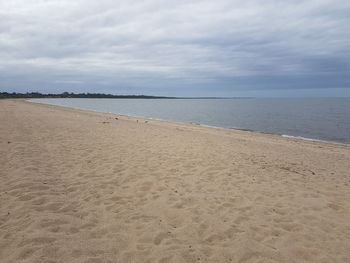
x,y
38,95
7,95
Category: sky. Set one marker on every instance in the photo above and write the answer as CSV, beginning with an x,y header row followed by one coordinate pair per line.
x,y
222,48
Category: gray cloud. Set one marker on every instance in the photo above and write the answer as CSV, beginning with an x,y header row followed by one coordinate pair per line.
x,y
193,47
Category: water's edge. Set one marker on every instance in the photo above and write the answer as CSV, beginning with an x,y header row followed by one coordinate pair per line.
x,y
203,125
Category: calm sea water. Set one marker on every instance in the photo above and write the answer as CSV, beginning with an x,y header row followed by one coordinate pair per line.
x,y
326,119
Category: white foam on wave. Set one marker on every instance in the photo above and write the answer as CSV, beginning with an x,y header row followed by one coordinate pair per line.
x,y
313,140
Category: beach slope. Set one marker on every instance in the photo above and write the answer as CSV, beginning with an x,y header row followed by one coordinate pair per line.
x,y
80,186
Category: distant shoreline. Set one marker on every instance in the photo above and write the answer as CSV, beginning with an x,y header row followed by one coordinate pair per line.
x,y
287,136
67,95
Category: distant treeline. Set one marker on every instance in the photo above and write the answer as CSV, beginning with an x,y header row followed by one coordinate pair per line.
x,y
7,95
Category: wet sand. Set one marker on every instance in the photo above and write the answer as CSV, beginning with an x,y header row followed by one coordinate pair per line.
x,y
80,186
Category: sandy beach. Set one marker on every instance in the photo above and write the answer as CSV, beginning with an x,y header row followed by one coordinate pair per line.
x,y
81,186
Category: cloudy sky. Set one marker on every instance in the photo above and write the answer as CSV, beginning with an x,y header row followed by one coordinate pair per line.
x,y
177,48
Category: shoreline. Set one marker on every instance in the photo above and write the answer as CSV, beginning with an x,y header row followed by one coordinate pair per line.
x,y
83,186
286,136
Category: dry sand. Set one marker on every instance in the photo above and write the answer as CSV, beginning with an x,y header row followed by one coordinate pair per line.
x,y
80,186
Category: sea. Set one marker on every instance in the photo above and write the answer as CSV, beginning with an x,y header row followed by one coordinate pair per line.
x,y
318,119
